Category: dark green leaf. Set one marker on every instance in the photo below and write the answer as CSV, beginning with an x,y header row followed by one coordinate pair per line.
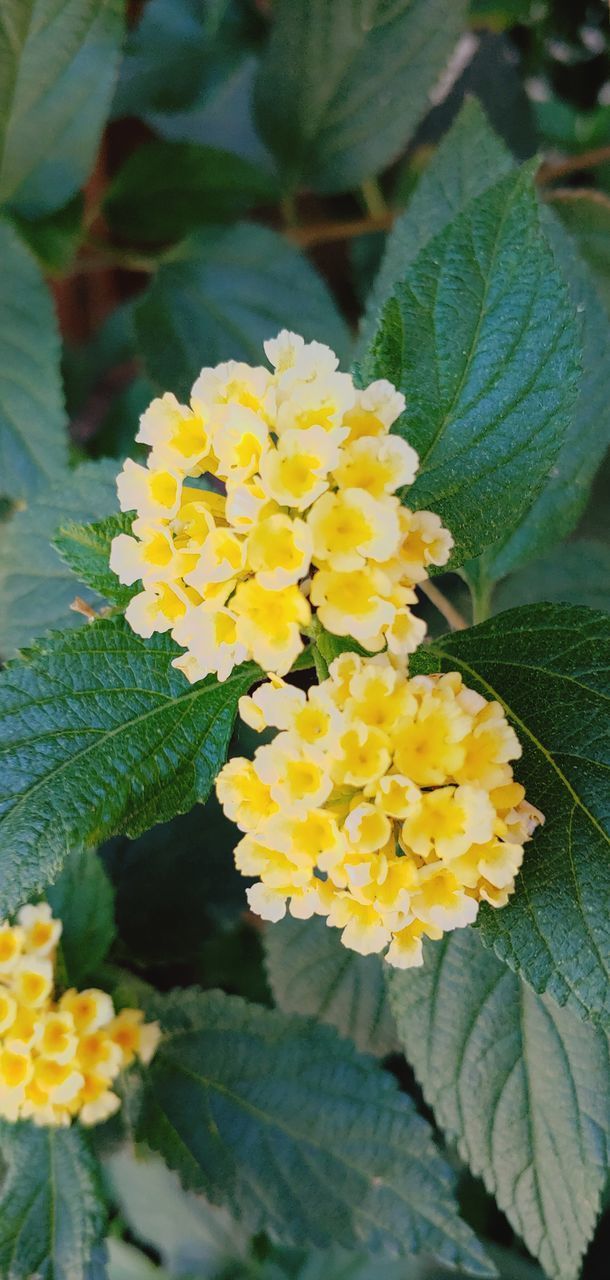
x,y
83,900
85,548
36,589
33,446
586,214
56,238
165,189
482,338
176,884
548,666
61,60
311,972
51,1214
577,572
341,89
296,1132
99,734
469,160
521,1085
558,506
221,294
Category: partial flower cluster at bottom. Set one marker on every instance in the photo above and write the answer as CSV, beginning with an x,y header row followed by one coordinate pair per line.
x,y
385,803
59,1057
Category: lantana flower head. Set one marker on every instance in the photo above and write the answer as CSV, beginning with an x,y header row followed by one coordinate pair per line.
x,y
270,497
59,1055
386,804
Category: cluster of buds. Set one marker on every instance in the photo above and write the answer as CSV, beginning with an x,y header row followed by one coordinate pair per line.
x,y
59,1057
270,497
385,803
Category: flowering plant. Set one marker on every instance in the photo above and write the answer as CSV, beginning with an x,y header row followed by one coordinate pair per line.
x,y
303,701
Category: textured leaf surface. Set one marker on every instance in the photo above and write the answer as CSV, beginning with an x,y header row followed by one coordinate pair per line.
x,y
100,734
36,588
165,189
523,1086
469,160
85,548
576,573
344,84
548,666
296,1132
61,59
222,293
83,900
51,1212
562,499
482,338
33,447
311,972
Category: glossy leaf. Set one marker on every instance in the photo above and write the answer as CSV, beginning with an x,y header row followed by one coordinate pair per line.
x,y
51,1212
298,1134
221,294
482,338
33,443
100,734
342,87
311,972
548,666
521,1086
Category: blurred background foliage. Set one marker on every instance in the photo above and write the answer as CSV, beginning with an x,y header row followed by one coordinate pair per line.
x,y
185,199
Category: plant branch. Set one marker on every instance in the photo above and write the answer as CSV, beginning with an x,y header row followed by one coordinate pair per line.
x,y
325,232
551,170
451,615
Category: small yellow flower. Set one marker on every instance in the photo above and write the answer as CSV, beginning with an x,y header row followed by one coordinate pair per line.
x,y
357,810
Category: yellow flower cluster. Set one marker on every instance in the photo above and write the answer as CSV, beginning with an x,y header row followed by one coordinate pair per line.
x,y
58,1058
386,804
300,513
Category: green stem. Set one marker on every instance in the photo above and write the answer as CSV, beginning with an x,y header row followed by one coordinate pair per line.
x,y
373,197
482,593
288,206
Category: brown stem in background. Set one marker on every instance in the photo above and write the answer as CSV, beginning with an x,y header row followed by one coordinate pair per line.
x,y
325,232
550,170
444,606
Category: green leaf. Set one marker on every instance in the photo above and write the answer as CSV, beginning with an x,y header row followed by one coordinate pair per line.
x,y
469,160
100,734
190,1235
557,508
127,1263
298,1134
547,664
55,239
521,1085
36,589
52,1213
586,214
83,900
221,294
61,59
576,573
341,89
311,972
482,339
33,445
165,189
85,548
176,885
